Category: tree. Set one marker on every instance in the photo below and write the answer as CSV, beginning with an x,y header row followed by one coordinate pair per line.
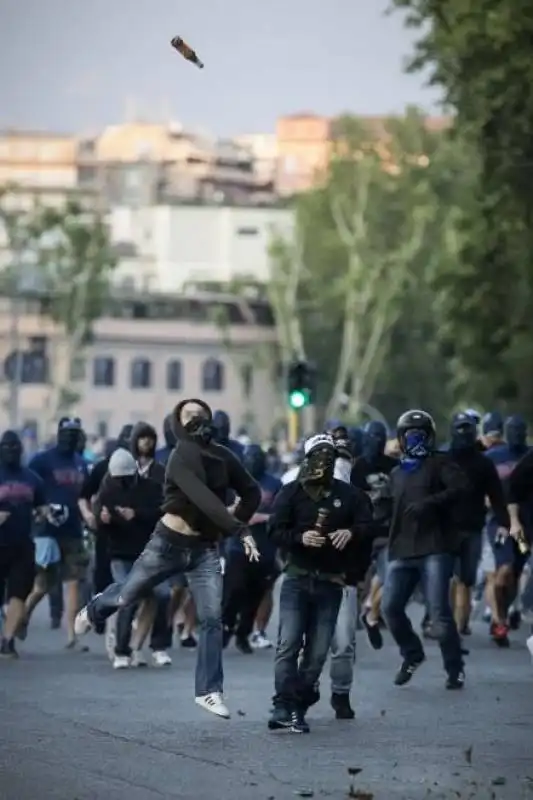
x,y
358,238
69,252
76,260
480,55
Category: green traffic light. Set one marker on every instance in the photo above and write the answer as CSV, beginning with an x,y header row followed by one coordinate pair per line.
x,y
297,399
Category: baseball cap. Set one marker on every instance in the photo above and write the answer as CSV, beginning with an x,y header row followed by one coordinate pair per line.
x,y
122,464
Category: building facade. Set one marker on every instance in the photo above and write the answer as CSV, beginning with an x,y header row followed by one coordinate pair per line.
x,y
169,247
144,357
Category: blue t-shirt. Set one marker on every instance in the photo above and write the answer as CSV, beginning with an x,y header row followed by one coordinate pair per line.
x,y
505,461
63,475
21,490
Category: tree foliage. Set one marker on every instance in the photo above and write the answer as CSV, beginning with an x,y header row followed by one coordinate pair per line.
x,y
479,53
69,258
372,244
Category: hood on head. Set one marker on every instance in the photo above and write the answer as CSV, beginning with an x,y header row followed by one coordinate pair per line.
x,y
375,436
516,432
188,408
492,424
222,426
124,437
11,448
355,435
255,460
143,430
168,431
110,447
122,464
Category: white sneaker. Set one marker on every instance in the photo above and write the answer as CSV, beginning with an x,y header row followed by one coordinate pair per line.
x,y
214,703
121,662
529,644
161,658
110,636
82,623
138,659
259,641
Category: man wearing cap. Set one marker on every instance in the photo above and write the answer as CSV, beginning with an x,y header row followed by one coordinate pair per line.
x,y
322,525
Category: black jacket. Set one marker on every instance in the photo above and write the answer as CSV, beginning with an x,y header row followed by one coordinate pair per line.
x,y
468,514
127,539
295,512
197,482
423,504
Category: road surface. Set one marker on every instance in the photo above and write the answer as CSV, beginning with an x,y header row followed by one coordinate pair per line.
x,y
73,729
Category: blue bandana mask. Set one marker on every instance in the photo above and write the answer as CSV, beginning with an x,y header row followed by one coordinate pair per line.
x,y
416,445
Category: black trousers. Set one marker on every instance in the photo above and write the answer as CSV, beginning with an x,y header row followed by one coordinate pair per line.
x,y
245,584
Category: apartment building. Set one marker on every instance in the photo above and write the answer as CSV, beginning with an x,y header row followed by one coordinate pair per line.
x,y
146,354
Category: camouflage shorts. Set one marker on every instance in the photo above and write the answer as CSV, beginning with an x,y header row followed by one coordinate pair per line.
x,y
72,567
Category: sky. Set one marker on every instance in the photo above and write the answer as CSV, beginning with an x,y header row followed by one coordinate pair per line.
x,y
78,65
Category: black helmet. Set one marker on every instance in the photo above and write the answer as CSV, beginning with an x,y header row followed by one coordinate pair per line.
x,y
415,431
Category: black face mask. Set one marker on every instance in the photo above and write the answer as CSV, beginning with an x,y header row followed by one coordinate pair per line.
x,y
200,428
68,440
126,481
318,467
463,438
10,452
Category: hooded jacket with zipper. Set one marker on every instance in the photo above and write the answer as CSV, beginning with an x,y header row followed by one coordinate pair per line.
x,y
155,469
127,539
197,480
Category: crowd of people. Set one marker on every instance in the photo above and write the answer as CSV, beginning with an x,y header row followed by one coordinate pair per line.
x,y
189,540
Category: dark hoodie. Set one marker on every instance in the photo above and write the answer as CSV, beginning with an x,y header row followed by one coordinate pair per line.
x,y
163,454
127,539
198,477
154,470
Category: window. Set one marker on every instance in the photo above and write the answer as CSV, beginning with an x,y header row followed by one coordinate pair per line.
x,y
104,371
174,376
212,375
247,377
141,373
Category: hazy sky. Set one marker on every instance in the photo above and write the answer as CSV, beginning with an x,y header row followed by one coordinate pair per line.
x,y
77,65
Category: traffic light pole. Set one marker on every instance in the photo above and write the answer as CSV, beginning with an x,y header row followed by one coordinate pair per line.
x,y
293,427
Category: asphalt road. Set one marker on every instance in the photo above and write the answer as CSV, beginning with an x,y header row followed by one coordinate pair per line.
x,y
72,729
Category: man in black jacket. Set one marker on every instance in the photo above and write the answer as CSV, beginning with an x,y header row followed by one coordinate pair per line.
x,y
186,539
126,508
424,488
321,525
468,515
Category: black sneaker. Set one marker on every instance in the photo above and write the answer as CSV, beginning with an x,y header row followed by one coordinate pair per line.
x,y
407,670
280,719
189,642
466,630
55,624
22,630
340,704
298,722
7,649
455,679
375,637
243,645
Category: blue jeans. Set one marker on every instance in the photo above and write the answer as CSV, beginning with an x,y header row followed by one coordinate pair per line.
x,y
527,594
434,573
308,609
343,645
166,555
161,637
